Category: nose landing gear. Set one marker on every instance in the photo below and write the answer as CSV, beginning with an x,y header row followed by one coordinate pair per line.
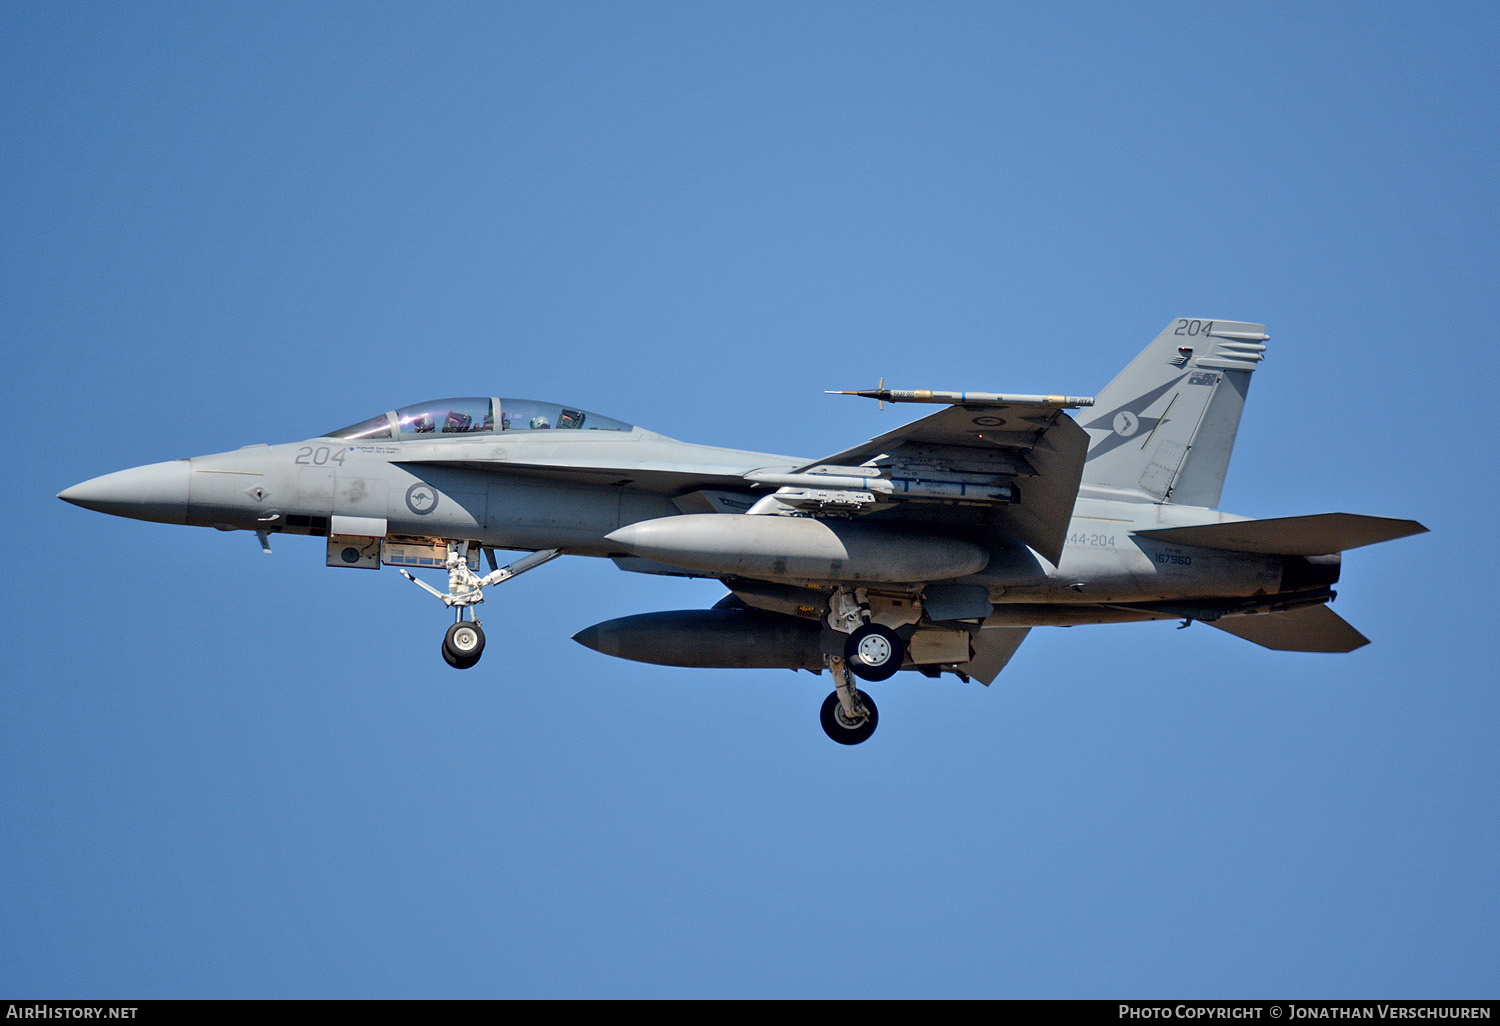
x,y
464,642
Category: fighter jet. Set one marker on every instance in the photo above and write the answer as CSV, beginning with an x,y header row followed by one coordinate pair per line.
x,y
933,548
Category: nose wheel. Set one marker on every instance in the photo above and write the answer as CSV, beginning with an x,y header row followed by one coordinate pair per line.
x,y
463,644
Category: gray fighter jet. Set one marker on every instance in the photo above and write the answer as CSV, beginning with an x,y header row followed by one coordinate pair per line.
x,y
934,548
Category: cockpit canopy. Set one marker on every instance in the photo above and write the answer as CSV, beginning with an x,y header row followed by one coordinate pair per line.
x,y
449,417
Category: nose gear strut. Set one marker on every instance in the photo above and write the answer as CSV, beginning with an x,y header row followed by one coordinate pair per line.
x,y
464,642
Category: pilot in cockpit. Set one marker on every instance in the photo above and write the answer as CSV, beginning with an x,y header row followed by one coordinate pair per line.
x,y
422,424
539,422
457,423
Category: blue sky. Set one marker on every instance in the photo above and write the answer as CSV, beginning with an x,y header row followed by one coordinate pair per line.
x,y
223,774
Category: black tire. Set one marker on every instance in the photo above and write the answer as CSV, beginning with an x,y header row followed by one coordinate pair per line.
x,y
836,727
465,640
874,652
455,662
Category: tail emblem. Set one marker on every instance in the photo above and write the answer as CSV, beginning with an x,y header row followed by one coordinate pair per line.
x,y
1124,422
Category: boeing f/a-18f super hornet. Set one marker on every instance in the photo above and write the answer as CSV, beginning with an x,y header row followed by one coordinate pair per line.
x,y
935,547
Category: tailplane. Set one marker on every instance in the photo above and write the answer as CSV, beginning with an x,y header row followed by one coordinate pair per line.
x,y
1308,629
1163,430
1315,535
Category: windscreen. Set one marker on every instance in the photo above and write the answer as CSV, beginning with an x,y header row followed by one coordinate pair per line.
x,y
375,427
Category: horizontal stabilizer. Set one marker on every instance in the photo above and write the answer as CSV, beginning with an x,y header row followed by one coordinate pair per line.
x,y
1308,629
1315,535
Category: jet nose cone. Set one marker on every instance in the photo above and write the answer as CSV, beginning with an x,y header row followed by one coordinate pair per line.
x,y
158,491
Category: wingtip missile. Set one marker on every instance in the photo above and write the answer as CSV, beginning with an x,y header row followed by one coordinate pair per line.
x,y
927,395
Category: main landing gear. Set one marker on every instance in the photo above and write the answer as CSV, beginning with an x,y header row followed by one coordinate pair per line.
x,y
872,652
464,642
849,715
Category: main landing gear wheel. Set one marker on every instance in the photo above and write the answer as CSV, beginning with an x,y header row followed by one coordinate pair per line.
x,y
837,726
463,645
874,652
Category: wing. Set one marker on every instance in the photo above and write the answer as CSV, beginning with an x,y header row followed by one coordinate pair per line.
x,y
1014,466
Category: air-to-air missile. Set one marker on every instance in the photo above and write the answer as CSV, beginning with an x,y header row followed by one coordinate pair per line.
x,y
927,395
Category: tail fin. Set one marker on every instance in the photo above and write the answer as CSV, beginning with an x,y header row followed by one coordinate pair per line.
x,y
1164,428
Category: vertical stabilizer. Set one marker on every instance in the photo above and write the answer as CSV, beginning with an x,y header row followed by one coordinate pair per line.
x,y
1164,428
